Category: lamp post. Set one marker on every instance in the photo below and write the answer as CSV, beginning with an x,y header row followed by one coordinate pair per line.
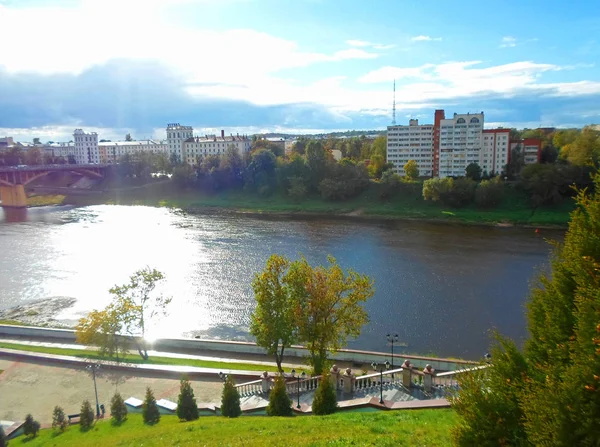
x,y
380,367
303,375
392,339
93,368
223,377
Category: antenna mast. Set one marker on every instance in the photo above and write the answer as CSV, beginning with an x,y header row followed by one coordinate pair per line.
x,y
394,106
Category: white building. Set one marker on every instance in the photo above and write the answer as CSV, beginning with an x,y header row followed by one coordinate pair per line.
x,y
63,150
460,143
196,148
412,142
86,147
176,135
496,150
112,151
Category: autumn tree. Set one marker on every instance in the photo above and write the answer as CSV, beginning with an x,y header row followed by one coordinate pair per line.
x,y
102,328
328,306
272,322
411,170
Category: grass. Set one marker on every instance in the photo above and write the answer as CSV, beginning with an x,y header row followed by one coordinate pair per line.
x,y
136,359
44,200
411,205
14,323
415,427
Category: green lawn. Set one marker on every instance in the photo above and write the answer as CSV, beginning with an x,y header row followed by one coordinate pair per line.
x,y
415,428
134,358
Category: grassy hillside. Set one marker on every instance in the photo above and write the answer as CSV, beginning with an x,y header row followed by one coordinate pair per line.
x,y
417,427
514,209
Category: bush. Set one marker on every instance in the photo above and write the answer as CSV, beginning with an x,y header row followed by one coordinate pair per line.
x,y
435,188
489,193
86,416
3,440
31,426
187,409
230,399
118,409
150,412
280,403
59,421
298,189
325,401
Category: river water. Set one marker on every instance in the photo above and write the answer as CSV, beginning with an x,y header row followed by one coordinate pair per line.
x,y
440,287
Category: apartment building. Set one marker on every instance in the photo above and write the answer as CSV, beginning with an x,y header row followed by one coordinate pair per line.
x,y
176,135
194,149
460,143
530,147
496,150
412,142
112,151
86,147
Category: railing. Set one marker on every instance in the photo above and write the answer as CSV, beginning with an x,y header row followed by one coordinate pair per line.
x,y
250,388
293,386
450,378
372,380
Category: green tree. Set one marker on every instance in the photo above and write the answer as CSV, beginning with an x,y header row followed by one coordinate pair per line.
x,y
316,160
230,399
118,409
411,170
102,328
473,172
86,416
150,413
489,193
325,401
260,173
328,306
59,421
585,149
272,322
3,440
187,408
138,305
31,427
280,403
297,190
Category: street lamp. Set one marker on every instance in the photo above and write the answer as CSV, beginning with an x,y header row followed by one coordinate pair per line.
x,y
392,339
303,375
380,366
93,368
223,377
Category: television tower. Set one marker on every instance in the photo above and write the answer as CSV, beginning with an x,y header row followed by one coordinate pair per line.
x,y
394,106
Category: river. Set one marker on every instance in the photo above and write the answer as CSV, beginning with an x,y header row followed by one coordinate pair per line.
x,y
441,287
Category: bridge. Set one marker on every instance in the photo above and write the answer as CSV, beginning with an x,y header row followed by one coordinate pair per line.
x,y
13,179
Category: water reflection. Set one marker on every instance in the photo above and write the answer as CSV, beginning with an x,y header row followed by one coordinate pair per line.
x,y
441,287
13,215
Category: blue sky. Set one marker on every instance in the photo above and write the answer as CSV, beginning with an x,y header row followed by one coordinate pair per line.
x,y
118,66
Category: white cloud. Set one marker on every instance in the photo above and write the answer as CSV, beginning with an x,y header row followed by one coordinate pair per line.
x,y
353,53
359,43
422,38
508,42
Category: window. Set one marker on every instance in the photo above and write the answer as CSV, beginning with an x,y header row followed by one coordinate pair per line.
x,y
460,121
474,120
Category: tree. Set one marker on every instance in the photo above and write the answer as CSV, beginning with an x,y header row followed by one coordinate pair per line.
x,y
102,328
33,156
585,149
260,173
31,427
328,306
280,403
59,421
118,409
272,322
137,305
230,399
187,408
128,137
86,416
473,171
297,190
489,193
150,413
411,170
325,401
316,160
3,440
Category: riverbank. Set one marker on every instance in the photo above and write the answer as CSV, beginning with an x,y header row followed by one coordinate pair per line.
x,y
514,211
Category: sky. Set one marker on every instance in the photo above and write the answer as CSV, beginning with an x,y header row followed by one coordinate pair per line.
x,y
248,66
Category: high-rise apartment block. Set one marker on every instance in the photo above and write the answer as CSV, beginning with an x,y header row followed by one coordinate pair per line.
x,y
446,147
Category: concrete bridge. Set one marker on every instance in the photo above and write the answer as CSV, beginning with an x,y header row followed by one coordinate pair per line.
x,y
13,179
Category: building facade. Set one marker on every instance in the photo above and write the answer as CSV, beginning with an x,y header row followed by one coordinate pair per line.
x,y
530,147
86,147
176,135
195,149
460,143
496,150
112,151
412,142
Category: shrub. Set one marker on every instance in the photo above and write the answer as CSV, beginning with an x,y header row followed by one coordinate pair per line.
x,y
280,403
489,193
435,188
118,409
230,400
186,403
59,421
150,412
3,440
31,426
298,189
325,401
86,416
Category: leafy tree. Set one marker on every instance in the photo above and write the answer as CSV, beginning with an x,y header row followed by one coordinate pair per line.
x,y
316,160
118,409
328,306
31,427
325,401
230,399
436,188
280,403
183,175
549,154
585,149
260,173
138,305
86,416
3,440
489,193
187,408
346,179
33,156
515,162
150,413
411,169
272,322
101,328
59,421
297,190
300,145
174,159
473,171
